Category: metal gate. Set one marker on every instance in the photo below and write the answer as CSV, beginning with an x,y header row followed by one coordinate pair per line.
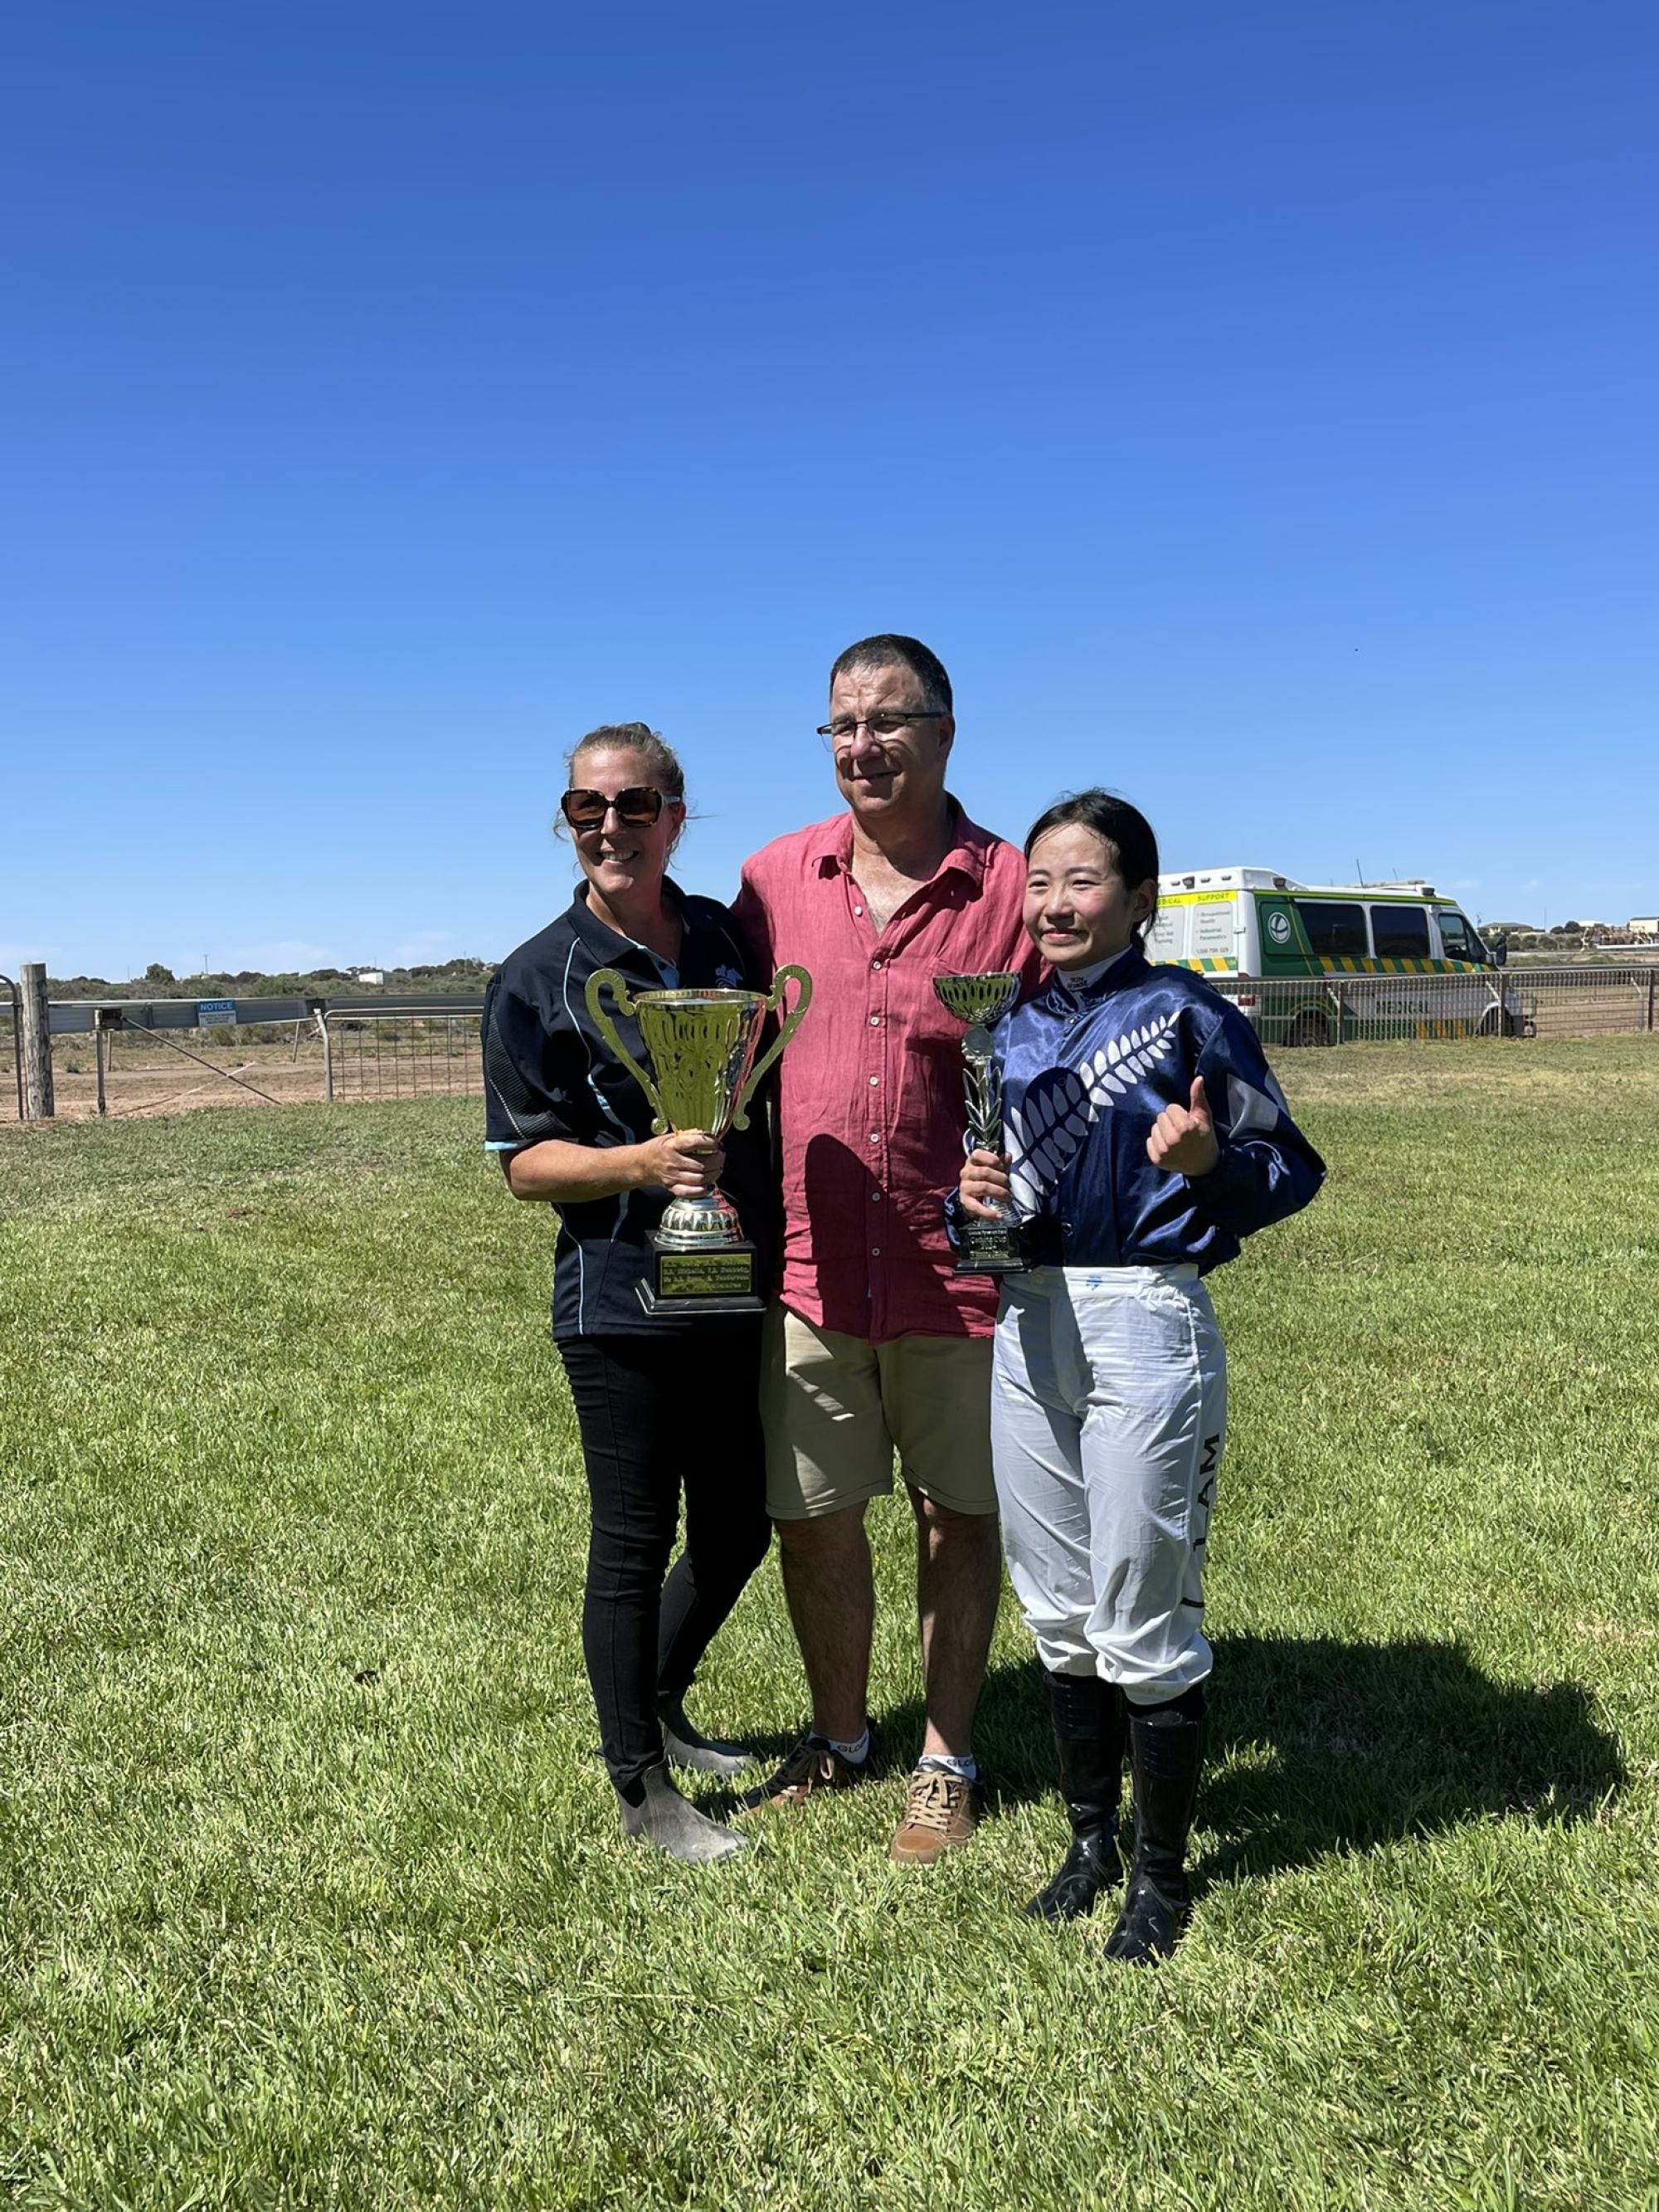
x,y
415,1053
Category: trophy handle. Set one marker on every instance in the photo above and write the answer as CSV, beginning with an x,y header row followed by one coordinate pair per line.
x,y
603,1022
787,1028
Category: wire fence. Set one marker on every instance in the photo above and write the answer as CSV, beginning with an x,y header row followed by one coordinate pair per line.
x,y
1573,1002
138,1058
131,1066
1354,1008
133,1058
403,1055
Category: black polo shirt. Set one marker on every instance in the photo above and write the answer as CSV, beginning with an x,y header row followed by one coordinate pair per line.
x,y
549,1072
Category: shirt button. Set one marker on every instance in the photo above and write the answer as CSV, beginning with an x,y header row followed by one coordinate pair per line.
x,y
875,967
859,911
875,1021
875,1251
875,1198
874,1080
875,1136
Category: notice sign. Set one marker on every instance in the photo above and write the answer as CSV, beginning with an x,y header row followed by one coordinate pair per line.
x,y
208,1011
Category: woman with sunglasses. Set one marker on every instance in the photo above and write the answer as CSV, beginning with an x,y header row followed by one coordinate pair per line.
x,y
663,1404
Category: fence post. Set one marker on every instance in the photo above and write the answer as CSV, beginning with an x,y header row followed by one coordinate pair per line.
x,y
100,1060
34,1025
328,1054
1653,978
15,1008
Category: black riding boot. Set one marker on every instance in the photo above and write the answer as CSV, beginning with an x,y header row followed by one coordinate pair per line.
x,y
1166,1748
1088,1736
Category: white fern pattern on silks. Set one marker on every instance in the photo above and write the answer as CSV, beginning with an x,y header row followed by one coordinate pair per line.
x,y
1061,1105
1047,1129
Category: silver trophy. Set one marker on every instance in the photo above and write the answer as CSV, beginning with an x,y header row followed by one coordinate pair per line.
x,y
701,1049
988,1247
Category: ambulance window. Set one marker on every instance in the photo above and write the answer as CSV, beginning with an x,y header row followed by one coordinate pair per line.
x,y
1459,939
1163,938
1401,933
1336,931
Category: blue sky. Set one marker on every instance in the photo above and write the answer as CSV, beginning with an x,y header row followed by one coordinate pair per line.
x,y
1253,406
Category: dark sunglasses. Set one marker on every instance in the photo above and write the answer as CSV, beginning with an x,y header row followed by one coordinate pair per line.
x,y
637,807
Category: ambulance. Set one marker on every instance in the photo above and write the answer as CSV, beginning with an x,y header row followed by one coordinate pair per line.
x,y
1337,960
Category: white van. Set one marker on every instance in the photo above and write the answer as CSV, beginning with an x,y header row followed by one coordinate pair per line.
x,y
1254,921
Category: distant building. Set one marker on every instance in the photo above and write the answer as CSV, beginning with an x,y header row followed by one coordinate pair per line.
x,y
373,976
1645,925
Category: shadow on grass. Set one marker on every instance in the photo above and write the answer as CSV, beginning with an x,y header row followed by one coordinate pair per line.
x,y
1318,1746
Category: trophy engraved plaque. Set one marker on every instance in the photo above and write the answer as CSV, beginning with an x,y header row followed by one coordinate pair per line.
x,y
988,1247
703,1072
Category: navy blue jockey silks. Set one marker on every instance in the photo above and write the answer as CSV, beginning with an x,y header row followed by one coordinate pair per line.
x,y
1084,1076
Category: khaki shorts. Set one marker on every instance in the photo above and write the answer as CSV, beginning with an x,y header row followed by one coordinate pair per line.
x,y
837,1407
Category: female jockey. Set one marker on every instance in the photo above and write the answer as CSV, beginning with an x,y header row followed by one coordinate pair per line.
x,y
1145,1137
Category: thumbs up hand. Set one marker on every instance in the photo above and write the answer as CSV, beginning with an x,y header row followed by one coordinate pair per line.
x,y
1184,1140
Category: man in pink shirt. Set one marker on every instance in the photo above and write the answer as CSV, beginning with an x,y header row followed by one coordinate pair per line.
x,y
877,1346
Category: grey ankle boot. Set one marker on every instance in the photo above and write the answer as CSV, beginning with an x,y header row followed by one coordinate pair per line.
x,y
663,1817
688,1746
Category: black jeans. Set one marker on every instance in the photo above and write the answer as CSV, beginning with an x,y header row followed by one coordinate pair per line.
x,y
660,1414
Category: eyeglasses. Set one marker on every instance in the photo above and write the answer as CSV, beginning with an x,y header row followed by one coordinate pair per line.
x,y
887,724
636,808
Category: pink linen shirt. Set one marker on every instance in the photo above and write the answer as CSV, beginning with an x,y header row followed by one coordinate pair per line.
x,y
870,1098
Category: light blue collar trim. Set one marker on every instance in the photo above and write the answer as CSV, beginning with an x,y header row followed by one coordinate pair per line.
x,y
667,969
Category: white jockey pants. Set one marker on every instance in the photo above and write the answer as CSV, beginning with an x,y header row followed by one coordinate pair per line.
x,y
1108,1409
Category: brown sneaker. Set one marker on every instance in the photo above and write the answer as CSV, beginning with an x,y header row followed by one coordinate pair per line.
x,y
941,1813
811,1768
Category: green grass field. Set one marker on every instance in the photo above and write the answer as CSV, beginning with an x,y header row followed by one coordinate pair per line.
x,y
313,1894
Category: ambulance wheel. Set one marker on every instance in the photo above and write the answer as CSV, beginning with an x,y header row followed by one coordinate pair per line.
x,y
1309,1028
1493,1022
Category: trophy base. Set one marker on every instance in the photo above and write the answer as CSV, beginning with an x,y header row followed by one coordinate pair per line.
x,y
718,1281
989,1248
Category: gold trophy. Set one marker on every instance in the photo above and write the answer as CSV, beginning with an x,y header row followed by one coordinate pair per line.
x,y
988,1247
701,1047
